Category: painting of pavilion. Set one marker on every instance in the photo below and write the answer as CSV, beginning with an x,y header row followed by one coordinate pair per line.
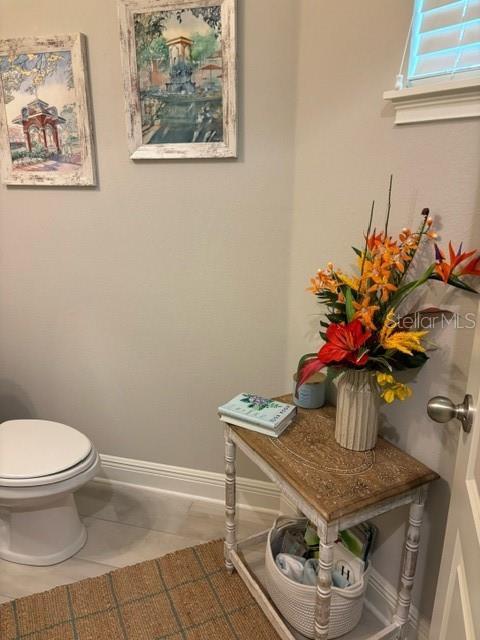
x,y
179,60
39,99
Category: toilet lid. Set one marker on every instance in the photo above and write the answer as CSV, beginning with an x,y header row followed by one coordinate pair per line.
x,y
37,448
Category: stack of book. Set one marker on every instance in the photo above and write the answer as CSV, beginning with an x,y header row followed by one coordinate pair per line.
x,y
266,416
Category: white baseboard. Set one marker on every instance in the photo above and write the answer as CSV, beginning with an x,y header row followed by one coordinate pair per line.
x,y
259,495
204,485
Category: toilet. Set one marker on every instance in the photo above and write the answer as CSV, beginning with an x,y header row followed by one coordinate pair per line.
x,y
42,463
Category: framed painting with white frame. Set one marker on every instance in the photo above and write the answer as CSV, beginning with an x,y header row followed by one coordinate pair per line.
x,y
46,136
179,66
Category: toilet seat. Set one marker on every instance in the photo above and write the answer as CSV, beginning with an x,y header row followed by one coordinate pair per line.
x,y
76,470
37,452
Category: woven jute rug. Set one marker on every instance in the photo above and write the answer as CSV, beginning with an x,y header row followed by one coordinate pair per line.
x,y
186,595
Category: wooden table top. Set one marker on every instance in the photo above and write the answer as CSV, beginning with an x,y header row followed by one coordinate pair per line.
x,y
335,481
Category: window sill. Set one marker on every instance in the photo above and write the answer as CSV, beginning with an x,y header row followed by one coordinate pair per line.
x,y
427,103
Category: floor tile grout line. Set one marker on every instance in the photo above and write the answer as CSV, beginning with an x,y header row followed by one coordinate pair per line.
x,y
169,597
117,606
187,513
136,526
132,526
215,594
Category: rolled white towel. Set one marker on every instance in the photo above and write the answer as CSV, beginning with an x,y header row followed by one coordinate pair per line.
x,y
291,566
310,572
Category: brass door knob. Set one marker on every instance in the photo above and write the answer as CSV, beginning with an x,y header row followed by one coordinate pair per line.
x,y
442,409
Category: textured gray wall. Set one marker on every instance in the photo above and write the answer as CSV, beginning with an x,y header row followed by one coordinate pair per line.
x,y
346,147
133,310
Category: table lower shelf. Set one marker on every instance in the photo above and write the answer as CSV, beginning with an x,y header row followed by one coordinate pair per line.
x,y
249,563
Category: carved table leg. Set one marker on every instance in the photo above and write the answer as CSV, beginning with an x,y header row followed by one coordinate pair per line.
x,y
324,581
409,564
230,499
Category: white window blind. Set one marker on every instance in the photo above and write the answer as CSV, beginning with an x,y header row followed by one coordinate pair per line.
x,y
445,39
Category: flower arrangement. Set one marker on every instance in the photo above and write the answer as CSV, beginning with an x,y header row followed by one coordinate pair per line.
x,y
362,329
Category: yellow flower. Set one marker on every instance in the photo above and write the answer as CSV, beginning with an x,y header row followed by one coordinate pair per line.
x,y
384,378
403,391
398,391
404,341
389,325
350,281
388,395
391,390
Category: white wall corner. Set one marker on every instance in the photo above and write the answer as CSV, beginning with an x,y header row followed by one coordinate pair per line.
x,y
258,495
432,102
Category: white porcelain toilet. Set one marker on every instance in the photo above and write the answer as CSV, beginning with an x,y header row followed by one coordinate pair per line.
x,y
41,464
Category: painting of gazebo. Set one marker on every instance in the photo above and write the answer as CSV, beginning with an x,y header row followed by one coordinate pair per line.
x,y
184,70
45,128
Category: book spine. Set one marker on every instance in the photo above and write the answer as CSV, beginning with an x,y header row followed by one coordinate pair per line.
x,y
268,424
245,418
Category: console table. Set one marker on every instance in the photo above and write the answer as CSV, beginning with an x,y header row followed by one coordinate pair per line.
x,y
334,488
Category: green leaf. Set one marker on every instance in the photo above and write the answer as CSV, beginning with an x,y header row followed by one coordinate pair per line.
x,y
382,361
349,309
336,318
358,252
454,281
409,288
333,372
402,361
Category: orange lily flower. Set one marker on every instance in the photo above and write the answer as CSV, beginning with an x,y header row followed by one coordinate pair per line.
x,y
385,288
365,312
325,279
374,240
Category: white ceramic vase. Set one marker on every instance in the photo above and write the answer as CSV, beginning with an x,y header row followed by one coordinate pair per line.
x,y
358,404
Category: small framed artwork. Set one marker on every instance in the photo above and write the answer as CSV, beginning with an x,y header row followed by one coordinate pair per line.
x,y
45,122
179,65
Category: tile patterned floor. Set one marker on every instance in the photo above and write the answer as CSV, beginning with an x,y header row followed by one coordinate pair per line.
x,y
128,525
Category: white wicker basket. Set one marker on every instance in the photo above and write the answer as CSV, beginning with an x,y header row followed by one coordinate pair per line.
x,y
296,602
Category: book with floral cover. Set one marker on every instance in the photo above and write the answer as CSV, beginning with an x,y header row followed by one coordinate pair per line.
x,y
251,410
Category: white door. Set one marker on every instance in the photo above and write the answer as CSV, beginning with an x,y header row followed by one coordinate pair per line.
x,y
456,614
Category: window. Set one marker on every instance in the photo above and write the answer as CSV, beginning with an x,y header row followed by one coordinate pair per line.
x,y
445,40
439,75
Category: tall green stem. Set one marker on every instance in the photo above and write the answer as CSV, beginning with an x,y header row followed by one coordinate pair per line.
x,y
368,236
389,208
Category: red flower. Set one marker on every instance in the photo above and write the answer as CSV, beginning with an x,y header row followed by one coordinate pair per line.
x,y
343,346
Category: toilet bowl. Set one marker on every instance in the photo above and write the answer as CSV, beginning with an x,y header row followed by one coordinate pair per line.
x,y
42,463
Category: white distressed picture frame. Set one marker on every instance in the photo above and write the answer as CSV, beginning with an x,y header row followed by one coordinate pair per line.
x,y
86,174
140,151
